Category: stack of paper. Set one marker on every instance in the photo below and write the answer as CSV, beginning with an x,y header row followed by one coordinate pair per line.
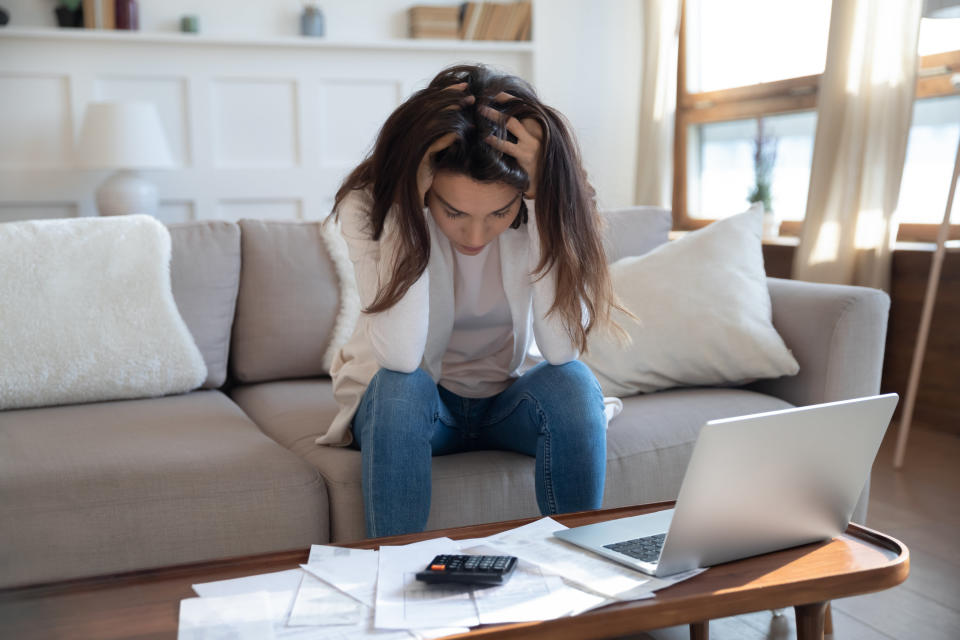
x,y
357,593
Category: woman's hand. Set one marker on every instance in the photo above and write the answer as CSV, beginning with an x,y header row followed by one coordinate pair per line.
x,y
424,170
527,147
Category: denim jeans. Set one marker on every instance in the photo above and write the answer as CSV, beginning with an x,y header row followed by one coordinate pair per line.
x,y
552,412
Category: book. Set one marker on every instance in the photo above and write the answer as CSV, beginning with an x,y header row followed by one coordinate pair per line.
x,y
90,10
513,22
434,22
501,15
526,33
108,14
471,17
521,29
486,14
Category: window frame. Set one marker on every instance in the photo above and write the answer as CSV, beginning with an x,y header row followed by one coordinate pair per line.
x,y
775,98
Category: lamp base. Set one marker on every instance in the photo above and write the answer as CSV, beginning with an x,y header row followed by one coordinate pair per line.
x,y
127,192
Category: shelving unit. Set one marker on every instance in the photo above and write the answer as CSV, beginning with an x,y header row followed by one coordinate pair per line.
x,y
260,127
190,39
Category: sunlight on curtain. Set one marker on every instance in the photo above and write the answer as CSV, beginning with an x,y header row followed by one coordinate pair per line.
x,y
658,103
863,122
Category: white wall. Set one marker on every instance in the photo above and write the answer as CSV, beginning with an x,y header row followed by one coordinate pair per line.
x,y
587,65
586,59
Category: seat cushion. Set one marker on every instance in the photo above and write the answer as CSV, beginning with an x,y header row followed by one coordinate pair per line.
x,y
648,447
468,488
118,486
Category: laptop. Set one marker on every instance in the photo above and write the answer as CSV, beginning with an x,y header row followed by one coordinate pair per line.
x,y
754,484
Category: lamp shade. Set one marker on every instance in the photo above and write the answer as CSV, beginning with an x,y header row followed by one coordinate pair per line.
x,y
941,9
123,135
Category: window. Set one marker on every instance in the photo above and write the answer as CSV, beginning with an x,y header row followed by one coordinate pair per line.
x,y
725,47
735,79
931,150
721,164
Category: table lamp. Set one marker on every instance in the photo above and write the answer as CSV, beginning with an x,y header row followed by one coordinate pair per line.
x,y
124,135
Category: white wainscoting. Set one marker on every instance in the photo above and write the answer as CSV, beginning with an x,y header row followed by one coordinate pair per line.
x,y
262,128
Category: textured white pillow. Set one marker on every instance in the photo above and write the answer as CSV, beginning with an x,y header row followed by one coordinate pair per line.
x,y
705,314
87,313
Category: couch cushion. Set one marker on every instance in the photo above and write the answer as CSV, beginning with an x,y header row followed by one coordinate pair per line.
x,y
635,230
708,324
118,486
650,443
648,447
205,275
288,302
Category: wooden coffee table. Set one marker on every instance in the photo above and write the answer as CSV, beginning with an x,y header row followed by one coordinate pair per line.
x,y
146,604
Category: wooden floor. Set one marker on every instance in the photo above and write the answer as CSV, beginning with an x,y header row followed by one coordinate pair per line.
x,y
919,505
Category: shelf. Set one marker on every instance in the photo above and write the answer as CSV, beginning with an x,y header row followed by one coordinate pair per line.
x,y
397,44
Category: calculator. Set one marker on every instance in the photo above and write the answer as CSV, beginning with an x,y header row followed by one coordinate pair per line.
x,y
475,570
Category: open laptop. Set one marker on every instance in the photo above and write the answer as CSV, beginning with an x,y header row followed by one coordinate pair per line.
x,y
754,484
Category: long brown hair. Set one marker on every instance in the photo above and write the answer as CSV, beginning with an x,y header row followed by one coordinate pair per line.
x,y
570,226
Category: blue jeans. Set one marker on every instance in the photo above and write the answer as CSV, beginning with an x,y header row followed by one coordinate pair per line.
x,y
552,412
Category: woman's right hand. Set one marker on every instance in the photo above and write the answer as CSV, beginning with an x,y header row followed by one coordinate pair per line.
x,y
424,170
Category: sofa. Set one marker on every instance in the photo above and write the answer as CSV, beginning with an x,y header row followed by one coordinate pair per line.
x,y
232,468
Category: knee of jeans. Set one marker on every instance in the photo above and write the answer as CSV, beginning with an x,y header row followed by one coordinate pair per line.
x,y
402,402
395,383
573,378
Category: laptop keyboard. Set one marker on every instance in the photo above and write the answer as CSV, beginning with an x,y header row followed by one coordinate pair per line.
x,y
644,549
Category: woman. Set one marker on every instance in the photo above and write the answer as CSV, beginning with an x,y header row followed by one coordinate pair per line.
x,y
471,225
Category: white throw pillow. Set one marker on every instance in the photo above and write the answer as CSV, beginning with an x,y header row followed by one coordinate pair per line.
x,y
87,313
705,314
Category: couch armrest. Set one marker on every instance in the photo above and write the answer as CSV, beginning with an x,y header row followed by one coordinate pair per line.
x,y
837,333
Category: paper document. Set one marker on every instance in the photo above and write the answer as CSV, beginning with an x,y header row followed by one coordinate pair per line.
x,y
529,595
403,602
318,603
535,543
246,616
353,572
284,586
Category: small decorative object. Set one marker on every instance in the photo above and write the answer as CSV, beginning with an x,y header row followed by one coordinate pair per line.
x,y
69,13
311,21
127,136
764,157
190,24
127,15
4,16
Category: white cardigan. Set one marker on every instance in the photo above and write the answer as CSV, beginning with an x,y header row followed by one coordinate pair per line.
x,y
422,321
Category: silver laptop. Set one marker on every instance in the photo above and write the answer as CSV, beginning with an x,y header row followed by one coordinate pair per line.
x,y
754,484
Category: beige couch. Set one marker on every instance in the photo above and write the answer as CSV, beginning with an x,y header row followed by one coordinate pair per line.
x,y
232,469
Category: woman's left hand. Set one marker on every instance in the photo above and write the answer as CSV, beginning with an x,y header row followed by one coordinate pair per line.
x,y
527,147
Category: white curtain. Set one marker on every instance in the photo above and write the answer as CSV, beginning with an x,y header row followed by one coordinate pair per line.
x,y
863,120
658,102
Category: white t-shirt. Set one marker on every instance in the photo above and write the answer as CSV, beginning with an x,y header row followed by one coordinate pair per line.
x,y
476,363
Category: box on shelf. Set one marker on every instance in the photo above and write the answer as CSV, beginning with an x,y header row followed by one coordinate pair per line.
x,y
434,22
472,21
496,21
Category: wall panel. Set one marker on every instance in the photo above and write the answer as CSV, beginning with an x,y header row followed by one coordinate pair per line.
x,y
257,127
